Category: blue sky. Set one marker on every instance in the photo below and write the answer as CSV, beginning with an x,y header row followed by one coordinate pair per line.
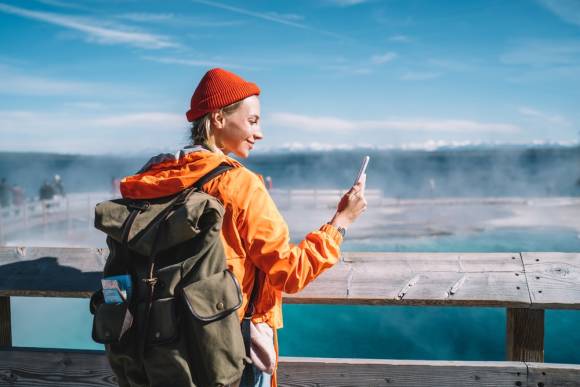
x,y
114,76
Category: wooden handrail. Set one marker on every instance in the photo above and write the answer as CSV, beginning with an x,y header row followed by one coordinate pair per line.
x,y
524,283
548,280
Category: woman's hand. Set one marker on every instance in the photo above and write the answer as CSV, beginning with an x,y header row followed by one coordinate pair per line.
x,y
351,205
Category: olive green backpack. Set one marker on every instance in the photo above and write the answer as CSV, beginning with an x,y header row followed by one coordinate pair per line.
x,y
179,326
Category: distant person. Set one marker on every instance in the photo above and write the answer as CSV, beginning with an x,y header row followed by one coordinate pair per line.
x,y
57,186
432,186
269,183
18,197
5,193
46,191
115,184
225,118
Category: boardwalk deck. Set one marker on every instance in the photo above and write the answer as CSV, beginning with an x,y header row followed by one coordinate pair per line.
x,y
51,368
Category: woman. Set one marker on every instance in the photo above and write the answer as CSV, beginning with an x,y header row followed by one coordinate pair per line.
x,y
225,117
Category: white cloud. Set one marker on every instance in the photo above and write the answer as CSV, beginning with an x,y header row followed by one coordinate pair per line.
x,y
334,124
153,120
544,52
451,65
78,132
62,4
384,58
266,16
147,17
567,10
260,15
419,75
196,62
400,39
346,3
287,16
552,119
173,20
569,74
94,32
71,120
347,69
16,83
88,105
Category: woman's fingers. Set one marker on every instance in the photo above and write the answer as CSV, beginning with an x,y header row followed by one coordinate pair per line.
x,y
360,185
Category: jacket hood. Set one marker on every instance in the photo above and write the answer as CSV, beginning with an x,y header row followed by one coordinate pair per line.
x,y
170,177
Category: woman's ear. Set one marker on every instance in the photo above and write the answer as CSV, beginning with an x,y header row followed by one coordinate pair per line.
x,y
218,119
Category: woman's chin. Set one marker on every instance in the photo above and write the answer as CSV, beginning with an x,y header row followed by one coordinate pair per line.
x,y
243,153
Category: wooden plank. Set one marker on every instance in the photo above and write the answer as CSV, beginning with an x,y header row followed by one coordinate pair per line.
x,y
5,323
525,335
56,272
50,368
400,373
446,262
438,279
330,288
553,279
547,375
54,368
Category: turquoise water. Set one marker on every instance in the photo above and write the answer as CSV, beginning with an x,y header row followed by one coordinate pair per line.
x,y
435,333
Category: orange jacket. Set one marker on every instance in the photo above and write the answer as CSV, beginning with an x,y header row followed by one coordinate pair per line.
x,y
254,233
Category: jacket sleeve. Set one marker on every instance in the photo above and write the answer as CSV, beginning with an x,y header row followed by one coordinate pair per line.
x,y
266,238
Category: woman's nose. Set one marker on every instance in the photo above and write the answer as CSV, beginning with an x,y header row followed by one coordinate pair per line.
x,y
258,135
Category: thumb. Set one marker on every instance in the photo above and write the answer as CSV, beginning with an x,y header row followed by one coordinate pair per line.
x,y
363,180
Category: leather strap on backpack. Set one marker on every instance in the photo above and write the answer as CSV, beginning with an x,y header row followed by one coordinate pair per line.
x,y
211,175
151,280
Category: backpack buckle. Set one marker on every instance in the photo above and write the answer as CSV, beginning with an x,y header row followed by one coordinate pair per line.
x,y
139,205
150,281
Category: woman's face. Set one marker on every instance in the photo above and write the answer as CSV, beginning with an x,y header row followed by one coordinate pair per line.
x,y
238,131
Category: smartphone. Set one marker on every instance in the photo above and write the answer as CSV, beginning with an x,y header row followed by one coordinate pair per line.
x,y
363,168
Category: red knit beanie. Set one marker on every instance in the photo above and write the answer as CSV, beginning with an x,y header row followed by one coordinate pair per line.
x,y
218,88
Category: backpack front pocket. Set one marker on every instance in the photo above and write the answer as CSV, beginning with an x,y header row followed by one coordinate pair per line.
x,y
213,328
111,322
213,297
163,322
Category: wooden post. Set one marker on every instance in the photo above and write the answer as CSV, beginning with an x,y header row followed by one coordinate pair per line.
x,y
89,213
5,323
44,204
68,217
525,335
25,214
1,229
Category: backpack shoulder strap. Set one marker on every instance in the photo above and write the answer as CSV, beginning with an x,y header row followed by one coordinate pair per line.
x,y
212,174
200,183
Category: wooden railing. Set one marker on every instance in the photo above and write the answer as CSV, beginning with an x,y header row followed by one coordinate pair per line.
x,y
69,211
524,283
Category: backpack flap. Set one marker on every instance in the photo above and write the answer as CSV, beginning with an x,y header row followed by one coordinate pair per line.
x,y
164,222
213,297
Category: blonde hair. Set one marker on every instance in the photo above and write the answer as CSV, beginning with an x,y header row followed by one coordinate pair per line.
x,y
201,131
